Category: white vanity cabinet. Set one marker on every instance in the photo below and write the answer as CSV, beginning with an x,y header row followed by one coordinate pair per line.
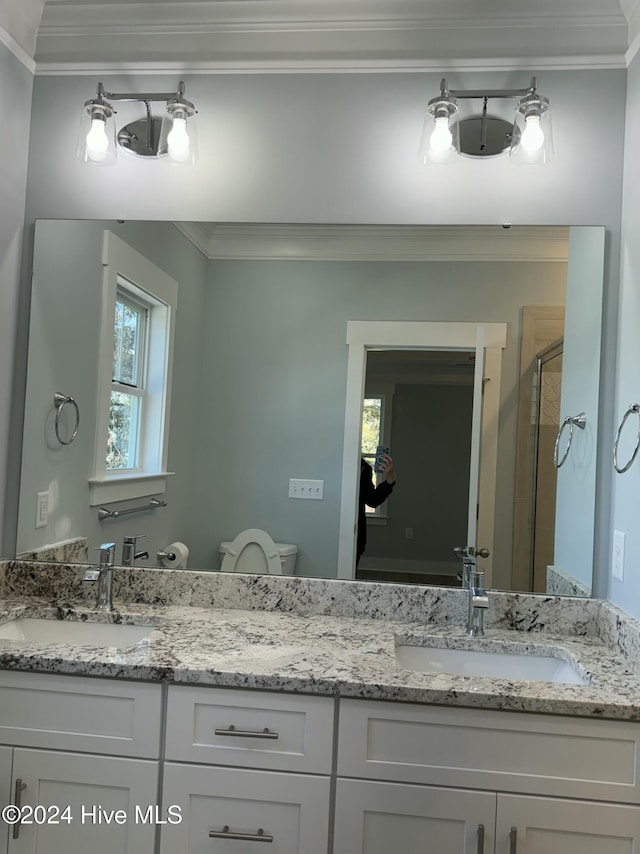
x,y
261,771
481,781
91,745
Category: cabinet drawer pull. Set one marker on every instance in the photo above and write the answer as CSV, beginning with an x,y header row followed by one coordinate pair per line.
x,y
481,839
225,833
17,801
247,733
513,840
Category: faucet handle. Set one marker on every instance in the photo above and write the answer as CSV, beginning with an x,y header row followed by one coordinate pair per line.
x,y
107,553
131,541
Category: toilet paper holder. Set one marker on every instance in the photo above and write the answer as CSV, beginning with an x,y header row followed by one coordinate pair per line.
x,y
166,555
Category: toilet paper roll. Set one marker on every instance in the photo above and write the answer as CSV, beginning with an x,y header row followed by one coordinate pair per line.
x,y
175,556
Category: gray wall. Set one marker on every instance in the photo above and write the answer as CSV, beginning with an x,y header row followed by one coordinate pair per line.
x,y
15,105
341,148
275,385
626,487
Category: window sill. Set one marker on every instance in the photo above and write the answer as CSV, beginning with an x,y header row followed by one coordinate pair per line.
x,y
122,487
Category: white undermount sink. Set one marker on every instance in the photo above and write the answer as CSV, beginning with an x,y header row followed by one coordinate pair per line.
x,y
74,633
498,665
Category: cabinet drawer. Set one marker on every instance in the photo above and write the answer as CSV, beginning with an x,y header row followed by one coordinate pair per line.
x,y
250,729
80,714
538,754
217,805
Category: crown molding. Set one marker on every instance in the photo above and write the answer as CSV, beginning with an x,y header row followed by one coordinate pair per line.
x,y
633,15
19,22
378,243
328,35
17,50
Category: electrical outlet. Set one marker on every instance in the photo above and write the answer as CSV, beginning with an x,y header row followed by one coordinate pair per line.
x,y
408,533
617,557
306,488
42,509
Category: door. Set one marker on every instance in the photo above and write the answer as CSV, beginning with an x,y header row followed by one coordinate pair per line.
x,y
85,804
379,818
527,825
6,755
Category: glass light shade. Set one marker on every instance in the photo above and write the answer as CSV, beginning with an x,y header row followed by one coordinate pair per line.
x,y
532,138
440,141
179,138
96,136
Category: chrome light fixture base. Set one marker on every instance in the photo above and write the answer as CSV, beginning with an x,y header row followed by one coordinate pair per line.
x,y
485,136
142,137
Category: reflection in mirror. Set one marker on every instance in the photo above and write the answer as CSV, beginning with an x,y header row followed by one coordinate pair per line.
x,y
425,404
260,383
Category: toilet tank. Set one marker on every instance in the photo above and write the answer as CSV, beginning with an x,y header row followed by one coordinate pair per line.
x,y
252,560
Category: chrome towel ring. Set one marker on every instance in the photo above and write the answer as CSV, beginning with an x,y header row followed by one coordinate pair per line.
x,y
634,408
60,401
571,421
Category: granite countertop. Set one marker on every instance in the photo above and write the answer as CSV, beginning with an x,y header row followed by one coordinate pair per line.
x,y
353,656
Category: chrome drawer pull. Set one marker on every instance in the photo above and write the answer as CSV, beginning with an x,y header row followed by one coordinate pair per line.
x,y
513,840
17,801
247,733
225,833
481,839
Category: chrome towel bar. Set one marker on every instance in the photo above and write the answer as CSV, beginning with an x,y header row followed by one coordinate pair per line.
x,y
104,513
634,408
570,421
60,401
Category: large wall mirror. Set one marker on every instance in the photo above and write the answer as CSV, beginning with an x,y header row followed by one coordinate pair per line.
x,y
268,384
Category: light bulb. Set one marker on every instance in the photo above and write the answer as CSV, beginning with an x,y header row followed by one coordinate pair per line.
x,y
532,136
97,140
178,140
441,138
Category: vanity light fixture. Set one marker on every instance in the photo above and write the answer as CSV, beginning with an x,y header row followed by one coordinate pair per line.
x,y
445,136
172,136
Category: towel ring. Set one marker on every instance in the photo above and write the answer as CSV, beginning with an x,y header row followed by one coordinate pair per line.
x,y
634,408
60,401
571,421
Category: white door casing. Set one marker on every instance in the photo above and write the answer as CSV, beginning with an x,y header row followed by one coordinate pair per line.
x,y
405,335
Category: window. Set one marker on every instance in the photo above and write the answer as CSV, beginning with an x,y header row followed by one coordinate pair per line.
x,y
139,304
128,387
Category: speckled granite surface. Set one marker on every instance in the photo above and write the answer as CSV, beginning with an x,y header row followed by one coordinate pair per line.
x,y
326,637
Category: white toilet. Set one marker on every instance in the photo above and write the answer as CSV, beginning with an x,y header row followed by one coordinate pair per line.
x,y
254,551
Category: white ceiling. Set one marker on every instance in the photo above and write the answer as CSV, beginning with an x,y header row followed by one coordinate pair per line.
x,y
320,35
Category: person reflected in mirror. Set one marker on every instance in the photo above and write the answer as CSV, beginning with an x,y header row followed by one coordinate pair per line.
x,y
372,496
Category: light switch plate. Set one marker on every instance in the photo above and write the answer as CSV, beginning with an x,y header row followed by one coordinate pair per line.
x,y
306,488
42,509
617,557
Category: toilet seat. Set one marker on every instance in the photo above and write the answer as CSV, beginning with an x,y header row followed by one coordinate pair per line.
x,y
255,537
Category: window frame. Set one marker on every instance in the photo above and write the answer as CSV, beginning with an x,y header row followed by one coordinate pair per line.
x,y
127,270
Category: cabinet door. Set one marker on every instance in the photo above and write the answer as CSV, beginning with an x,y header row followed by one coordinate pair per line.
x,y
379,818
94,788
553,826
5,792
226,810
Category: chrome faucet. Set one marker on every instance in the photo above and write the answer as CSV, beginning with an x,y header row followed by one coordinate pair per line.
x,y
478,603
468,555
129,553
103,574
